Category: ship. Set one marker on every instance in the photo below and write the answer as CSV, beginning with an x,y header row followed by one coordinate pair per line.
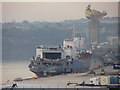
x,y
67,58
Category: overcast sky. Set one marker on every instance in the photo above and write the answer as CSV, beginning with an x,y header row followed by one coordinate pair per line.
x,y
52,11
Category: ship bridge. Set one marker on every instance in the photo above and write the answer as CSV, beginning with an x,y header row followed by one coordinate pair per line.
x,y
49,52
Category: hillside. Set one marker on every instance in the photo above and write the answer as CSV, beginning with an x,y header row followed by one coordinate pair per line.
x,y
19,39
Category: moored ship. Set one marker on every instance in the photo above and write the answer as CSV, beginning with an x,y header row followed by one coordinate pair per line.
x,y
62,59
72,56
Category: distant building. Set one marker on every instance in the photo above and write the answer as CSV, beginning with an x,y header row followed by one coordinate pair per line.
x,y
113,39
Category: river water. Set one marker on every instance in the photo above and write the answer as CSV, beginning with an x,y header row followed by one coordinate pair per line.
x,y
12,70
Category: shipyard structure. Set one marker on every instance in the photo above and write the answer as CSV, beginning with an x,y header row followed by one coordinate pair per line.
x,y
94,16
103,53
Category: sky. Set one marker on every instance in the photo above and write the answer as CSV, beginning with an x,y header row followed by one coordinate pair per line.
x,y
53,11
59,0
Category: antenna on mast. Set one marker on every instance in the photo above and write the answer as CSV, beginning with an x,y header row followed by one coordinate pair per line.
x,y
73,31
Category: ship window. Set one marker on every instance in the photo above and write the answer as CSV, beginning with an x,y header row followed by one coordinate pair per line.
x,y
43,63
52,55
67,63
56,64
39,47
68,57
53,48
38,63
46,63
91,81
38,58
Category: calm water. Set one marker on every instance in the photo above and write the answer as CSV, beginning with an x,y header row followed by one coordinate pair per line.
x,y
12,70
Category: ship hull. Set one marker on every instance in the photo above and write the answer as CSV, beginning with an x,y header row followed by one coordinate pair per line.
x,y
80,65
76,66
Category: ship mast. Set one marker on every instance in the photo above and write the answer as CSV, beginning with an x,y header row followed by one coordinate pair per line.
x,y
73,31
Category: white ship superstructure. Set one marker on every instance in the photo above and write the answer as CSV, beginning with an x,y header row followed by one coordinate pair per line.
x,y
72,47
49,52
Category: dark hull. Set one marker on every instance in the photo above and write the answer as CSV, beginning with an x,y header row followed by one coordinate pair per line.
x,y
75,66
